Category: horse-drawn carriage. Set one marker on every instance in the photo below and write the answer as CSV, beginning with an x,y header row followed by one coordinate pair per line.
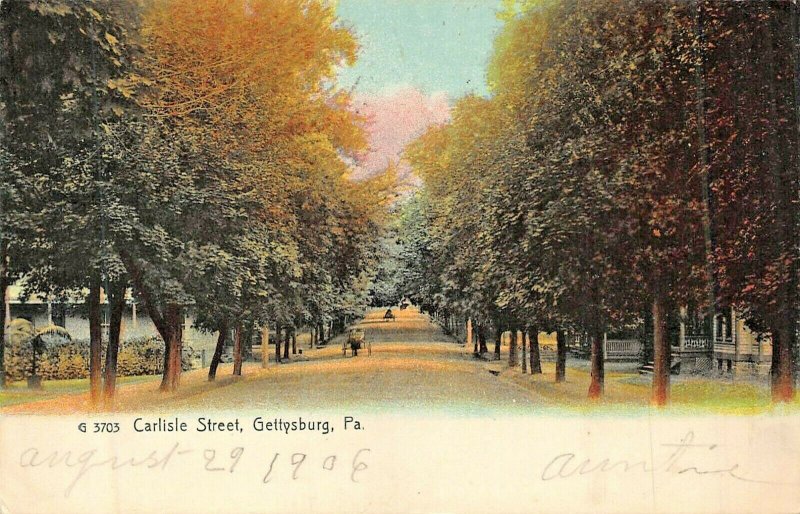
x,y
356,341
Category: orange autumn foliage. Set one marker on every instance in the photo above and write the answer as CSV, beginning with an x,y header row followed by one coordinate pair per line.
x,y
251,74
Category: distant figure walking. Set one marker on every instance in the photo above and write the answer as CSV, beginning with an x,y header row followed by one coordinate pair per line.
x,y
389,315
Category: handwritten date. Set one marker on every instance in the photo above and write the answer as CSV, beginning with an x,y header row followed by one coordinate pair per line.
x,y
294,466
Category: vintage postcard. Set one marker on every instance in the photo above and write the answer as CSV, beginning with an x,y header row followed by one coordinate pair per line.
x,y
399,256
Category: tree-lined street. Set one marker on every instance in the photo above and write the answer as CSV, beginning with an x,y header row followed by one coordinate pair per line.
x,y
414,366
622,184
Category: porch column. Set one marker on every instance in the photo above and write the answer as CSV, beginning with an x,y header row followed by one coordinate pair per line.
x,y
682,333
605,346
724,328
713,329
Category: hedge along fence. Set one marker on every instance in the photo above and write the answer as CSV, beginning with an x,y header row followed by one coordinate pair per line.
x,y
70,359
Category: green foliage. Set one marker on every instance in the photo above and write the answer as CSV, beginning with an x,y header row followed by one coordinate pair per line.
x,y
574,196
244,212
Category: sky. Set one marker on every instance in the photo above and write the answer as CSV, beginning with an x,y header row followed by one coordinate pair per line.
x,y
416,58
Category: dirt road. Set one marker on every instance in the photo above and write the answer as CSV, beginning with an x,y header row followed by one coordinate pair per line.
x,y
413,365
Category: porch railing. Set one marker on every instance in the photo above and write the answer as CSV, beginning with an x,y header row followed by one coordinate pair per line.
x,y
697,343
623,349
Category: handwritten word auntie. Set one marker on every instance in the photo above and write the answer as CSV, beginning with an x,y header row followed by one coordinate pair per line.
x,y
683,457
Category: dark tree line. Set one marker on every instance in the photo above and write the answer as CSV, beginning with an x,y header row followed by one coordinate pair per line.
x,y
633,158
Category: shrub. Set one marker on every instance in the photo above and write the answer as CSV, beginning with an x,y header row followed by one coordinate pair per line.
x,y
69,360
142,356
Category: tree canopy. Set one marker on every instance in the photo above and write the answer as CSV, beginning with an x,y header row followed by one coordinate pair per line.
x,y
194,151
615,175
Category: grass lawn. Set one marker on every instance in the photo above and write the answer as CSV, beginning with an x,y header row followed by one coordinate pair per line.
x,y
18,392
628,392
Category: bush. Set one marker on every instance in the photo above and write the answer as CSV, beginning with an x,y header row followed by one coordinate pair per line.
x,y
18,361
70,360
142,356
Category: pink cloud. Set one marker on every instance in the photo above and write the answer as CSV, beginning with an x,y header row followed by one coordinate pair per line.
x,y
394,120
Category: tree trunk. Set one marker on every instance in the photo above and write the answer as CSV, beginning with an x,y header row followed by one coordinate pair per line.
x,y
221,337
524,356
34,353
482,349
498,339
177,345
661,354
781,373
237,350
168,322
313,337
247,340
792,227
286,342
598,367
173,318
3,293
785,187
116,300
536,360
264,345
278,345
703,157
95,340
294,342
561,356
512,349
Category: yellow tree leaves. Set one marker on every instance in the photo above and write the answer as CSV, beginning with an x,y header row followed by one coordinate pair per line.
x,y
252,82
249,73
251,85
